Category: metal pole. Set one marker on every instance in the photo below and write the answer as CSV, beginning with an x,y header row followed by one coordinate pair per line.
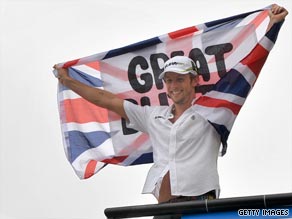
x,y
204,206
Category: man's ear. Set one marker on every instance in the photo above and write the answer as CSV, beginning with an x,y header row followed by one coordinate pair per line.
x,y
195,80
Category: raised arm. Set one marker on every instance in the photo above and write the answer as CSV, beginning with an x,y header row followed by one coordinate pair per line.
x,y
94,95
277,14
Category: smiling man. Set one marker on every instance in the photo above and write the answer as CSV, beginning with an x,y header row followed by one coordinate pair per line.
x,y
185,145
186,155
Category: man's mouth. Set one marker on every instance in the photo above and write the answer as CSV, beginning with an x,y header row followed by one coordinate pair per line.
x,y
175,92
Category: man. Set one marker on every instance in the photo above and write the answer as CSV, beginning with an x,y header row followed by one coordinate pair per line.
x,y
185,145
181,138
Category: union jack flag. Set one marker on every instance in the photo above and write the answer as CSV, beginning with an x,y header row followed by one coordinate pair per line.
x,y
229,52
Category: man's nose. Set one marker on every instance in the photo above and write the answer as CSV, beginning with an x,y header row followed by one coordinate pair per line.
x,y
174,83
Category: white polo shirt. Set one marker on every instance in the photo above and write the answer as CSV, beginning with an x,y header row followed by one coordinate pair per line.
x,y
188,149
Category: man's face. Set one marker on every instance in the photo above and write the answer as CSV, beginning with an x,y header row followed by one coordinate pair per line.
x,y
180,88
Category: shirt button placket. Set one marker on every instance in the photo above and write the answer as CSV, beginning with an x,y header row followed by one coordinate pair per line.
x,y
172,166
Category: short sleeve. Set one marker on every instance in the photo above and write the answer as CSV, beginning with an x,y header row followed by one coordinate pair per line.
x,y
138,116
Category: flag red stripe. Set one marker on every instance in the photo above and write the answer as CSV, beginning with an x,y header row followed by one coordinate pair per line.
x,y
81,111
217,103
256,59
90,169
114,71
260,18
71,63
136,144
94,65
182,32
115,160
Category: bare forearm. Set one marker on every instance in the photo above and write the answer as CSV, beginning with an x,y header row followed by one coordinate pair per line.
x,y
99,97
94,95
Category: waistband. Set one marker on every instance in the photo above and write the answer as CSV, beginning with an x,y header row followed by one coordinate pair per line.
x,y
209,195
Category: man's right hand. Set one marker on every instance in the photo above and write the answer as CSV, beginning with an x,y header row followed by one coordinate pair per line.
x,y
62,74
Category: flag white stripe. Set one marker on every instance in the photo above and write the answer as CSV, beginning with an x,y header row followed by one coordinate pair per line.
x,y
246,72
221,116
88,70
225,96
86,127
267,43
